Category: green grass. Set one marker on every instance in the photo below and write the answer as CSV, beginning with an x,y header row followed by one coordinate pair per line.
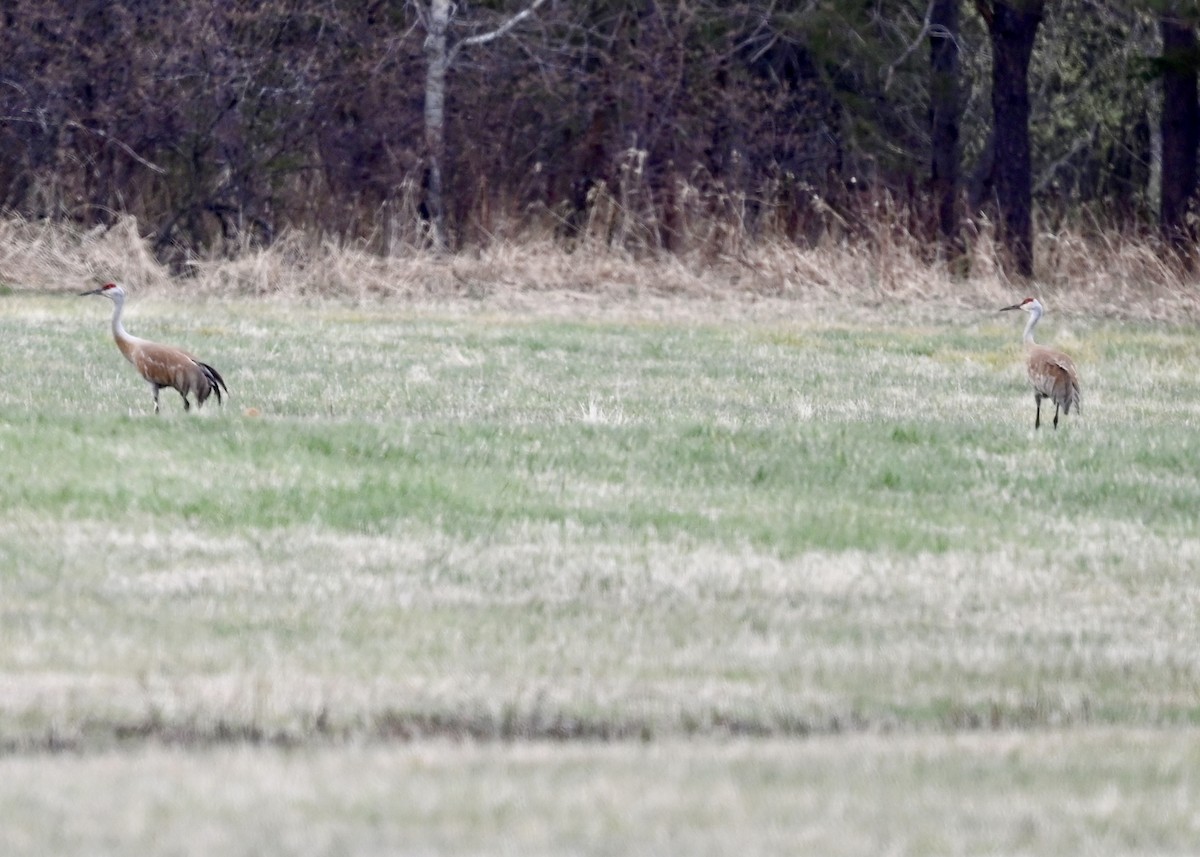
x,y
417,523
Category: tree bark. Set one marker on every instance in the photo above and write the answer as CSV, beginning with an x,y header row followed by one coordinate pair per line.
x,y
945,112
1013,27
437,61
439,55
1180,130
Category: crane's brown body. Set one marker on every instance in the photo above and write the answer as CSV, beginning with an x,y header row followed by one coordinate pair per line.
x,y
1053,377
1051,373
162,365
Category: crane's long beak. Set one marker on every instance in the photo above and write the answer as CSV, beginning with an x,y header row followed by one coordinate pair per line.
x,y
1002,309
92,292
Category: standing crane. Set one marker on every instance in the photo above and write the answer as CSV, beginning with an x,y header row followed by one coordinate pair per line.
x,y
162,365
1051,372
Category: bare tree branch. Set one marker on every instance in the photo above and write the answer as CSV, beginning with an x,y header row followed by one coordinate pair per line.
x,y
907,52
120,145
503,29
71,123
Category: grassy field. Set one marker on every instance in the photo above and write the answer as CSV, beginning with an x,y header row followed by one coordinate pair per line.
x,y
458,579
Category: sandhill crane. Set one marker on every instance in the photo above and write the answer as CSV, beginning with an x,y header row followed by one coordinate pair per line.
x,y
161,365
1051,372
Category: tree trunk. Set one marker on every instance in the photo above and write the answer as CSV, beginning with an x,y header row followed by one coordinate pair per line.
x,y
438,60
1013,27
944,114
1180,129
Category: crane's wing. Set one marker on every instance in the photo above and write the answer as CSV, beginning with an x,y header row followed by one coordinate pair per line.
x,y
166,366
161,364
1053,374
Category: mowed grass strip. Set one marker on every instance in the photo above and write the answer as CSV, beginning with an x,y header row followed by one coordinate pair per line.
x,y
411,522
1097,792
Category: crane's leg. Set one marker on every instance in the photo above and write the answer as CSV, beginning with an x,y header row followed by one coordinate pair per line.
x,y
187,406
1056,416
154,387
1037,420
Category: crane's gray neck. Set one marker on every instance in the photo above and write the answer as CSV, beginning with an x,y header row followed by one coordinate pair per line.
x,y
118,329
1034,315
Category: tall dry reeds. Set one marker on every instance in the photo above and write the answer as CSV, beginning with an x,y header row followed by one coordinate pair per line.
x,y
875,259
45,255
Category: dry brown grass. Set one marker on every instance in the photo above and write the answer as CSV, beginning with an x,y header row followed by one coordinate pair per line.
x,y
1095,792
1108,273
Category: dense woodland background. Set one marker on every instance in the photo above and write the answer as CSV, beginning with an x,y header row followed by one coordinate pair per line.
x,y
658,125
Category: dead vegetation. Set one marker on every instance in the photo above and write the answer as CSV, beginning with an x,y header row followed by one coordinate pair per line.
x,y
1105,273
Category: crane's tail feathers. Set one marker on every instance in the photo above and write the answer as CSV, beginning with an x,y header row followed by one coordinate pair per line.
x,y
215,381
